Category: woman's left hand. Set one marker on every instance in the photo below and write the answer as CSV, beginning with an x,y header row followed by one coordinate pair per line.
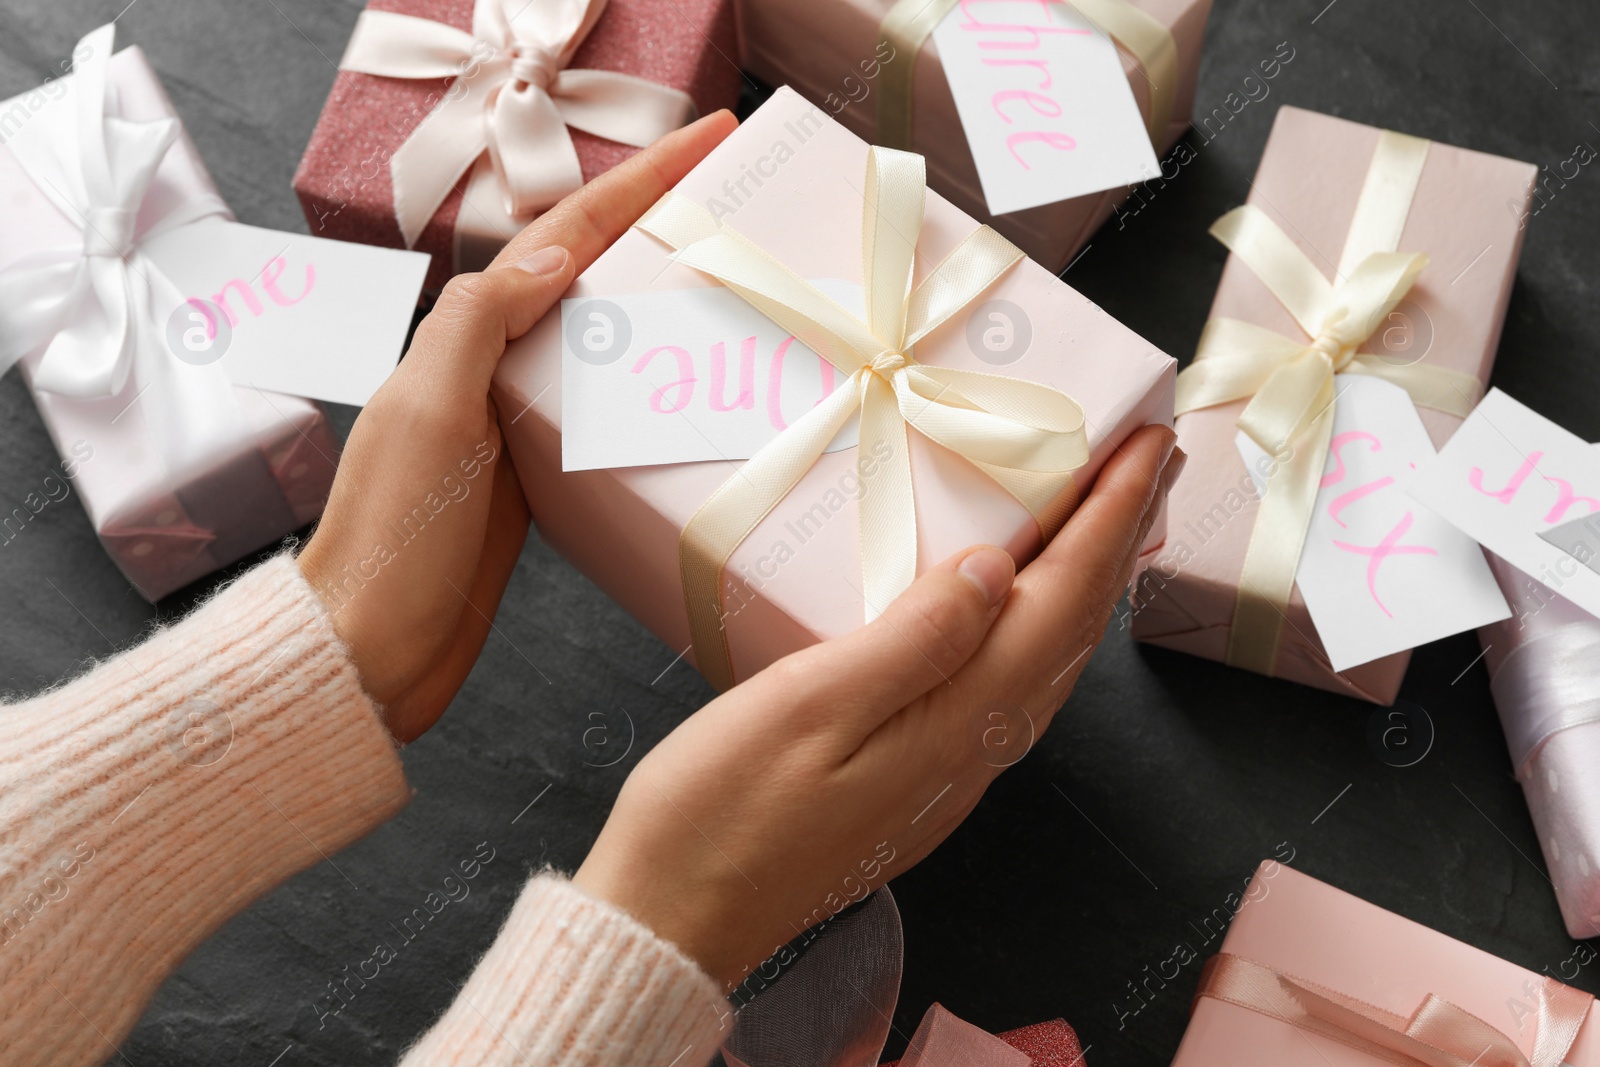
x,y
427,449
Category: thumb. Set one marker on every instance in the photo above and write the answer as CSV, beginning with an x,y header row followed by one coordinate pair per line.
x,y
922,640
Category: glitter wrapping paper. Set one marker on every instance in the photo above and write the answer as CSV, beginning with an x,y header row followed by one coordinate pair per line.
x,y
816,48
621,526
343,179
1465,218
165,531
1544,671
1316,934
1047,1044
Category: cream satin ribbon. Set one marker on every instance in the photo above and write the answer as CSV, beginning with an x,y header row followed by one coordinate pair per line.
x,y
1291,382
509,107
97,305
910,23
1437,1034
1026,436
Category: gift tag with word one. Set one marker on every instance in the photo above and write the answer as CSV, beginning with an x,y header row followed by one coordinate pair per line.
x,y
1380,573
1508,477
1044,101
685,376
287,312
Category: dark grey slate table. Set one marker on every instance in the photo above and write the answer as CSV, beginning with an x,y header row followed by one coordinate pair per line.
x,y
1161,785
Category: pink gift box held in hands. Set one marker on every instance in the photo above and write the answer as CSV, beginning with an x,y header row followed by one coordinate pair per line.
x,y
797,578
1465,216
163,526
831,52
345,182
1309,974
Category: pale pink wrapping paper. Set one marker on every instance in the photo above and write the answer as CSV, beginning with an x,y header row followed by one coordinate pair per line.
x,y
1312,931
1465,217
814,46
161,532
621,527
1544,671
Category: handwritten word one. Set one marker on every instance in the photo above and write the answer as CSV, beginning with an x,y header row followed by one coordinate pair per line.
x,y
678,394
269,276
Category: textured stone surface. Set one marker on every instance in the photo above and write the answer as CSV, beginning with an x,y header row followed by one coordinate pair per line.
x,y
1158,789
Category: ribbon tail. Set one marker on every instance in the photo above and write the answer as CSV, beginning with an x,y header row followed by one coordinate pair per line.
x,y
730,514
1438,388
1273,555
532,151
427,166
887,516
620,107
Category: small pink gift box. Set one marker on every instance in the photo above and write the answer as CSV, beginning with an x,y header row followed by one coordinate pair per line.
x,y
797,578
829,52
1309,974
343,180
163,530
1467,217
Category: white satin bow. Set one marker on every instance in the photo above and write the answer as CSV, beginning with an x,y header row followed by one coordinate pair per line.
x,y
512,98
96,305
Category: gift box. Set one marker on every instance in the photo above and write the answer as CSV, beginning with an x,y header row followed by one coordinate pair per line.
x,y
261,470
1308,974
1541,664
832,53
1465,215
346,180
798,578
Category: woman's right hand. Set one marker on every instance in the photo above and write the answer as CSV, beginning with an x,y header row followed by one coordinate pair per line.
x,y
844,764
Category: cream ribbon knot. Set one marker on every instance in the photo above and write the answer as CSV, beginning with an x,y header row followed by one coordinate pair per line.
x,y
509,107
1291,383
1028,437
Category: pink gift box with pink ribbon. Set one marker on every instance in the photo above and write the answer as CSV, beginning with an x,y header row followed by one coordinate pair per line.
x,y
1466,217
346,180
164,528
797,578
1308,974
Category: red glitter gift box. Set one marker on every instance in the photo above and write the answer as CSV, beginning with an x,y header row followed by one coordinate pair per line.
x,y
344,181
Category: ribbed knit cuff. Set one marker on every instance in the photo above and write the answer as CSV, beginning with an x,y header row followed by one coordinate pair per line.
x,y
573,981
147,802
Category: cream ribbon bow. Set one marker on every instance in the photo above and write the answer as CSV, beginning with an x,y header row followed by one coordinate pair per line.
x,y
512,98
98,306
1026,436
910,23
1291,382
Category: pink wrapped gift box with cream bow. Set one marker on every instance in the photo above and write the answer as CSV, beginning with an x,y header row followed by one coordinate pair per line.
x,y
1318,176
887,90
1311,975
180,471
798,576
453,123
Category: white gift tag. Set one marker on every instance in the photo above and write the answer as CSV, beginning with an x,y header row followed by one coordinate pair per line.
x,y
1380,573
287,312
1508,475
684,376
1044,102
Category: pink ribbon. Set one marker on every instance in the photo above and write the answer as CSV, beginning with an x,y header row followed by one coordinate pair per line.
x,y
833,1004
507,112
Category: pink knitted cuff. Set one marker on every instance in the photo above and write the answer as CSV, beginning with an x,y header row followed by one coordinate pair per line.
x,y
145,803
573,981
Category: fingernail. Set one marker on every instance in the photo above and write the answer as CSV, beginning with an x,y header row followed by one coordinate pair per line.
x,y
1166,450
990,570
545,261
1174,467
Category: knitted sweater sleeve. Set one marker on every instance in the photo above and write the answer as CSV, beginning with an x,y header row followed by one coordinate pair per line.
x,y
149,800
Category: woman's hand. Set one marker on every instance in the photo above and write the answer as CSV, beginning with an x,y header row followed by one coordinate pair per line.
x,y
842,765
426,518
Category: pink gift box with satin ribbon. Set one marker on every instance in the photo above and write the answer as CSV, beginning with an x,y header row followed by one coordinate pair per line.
x,y
827,51
1466,216
1306,945
343,180
164,532
621,526
1542,671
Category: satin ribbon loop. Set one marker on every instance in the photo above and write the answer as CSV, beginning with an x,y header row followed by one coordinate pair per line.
x,y
1290,383
510,106
1027,437
1437,1034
